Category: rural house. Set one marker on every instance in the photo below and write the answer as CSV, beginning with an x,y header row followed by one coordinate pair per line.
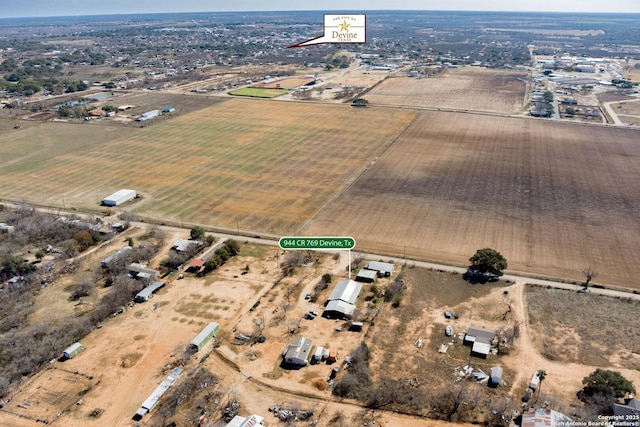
x,y
298,352
480,341
115,256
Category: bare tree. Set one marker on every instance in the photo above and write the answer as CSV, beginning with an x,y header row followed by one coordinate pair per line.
x,y
454,403
589,275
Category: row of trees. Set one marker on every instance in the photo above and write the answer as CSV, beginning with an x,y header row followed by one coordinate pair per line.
x,y
230,249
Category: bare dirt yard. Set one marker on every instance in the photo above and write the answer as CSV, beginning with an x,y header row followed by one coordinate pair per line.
x,y
553,198
467,88
133,351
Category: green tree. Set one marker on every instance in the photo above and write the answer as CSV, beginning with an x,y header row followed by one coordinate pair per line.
x,y
607,383
488,260
197,232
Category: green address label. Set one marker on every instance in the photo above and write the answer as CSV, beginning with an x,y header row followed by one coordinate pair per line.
x,y
335,243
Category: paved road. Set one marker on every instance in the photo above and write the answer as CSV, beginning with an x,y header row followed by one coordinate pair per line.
x,y
273,241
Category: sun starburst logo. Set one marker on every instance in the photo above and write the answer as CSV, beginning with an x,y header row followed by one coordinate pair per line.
x,y
345,26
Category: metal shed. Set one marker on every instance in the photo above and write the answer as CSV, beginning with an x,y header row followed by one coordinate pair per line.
x,y
119,197
383,268
146,293
205,336
347,291
71,351
366,276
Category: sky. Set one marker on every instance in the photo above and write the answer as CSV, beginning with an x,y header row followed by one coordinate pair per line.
x,y
31,8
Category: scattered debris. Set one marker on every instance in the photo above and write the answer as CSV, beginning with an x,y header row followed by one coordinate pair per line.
x,y
419,343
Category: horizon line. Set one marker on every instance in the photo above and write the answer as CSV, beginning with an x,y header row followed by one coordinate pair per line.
x,y
326,11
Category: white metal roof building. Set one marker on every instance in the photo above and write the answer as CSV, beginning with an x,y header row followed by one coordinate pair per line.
x,y
152,400
347,291
383,268
119,197
146,293
72,350
182,245
339,308
367,276
251,421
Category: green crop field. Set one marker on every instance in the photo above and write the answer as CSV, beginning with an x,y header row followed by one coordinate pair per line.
x,y
259,92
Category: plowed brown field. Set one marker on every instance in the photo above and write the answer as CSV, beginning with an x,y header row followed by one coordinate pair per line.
x,y
466,88
552,197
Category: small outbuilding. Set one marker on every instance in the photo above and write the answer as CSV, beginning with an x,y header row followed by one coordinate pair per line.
x,y
119,197
146,293
366,276
384,269
182,245
205,336
496,376
71,351
168,109
139,271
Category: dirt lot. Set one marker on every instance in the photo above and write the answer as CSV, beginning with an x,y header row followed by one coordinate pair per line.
x,y
467,88
133,351
461,182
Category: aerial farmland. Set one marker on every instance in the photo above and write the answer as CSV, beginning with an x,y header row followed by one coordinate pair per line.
x,y
417,152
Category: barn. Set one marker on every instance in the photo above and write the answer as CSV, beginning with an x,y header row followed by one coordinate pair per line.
x,y
298,352
119,197
342,301
71,351
205,336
